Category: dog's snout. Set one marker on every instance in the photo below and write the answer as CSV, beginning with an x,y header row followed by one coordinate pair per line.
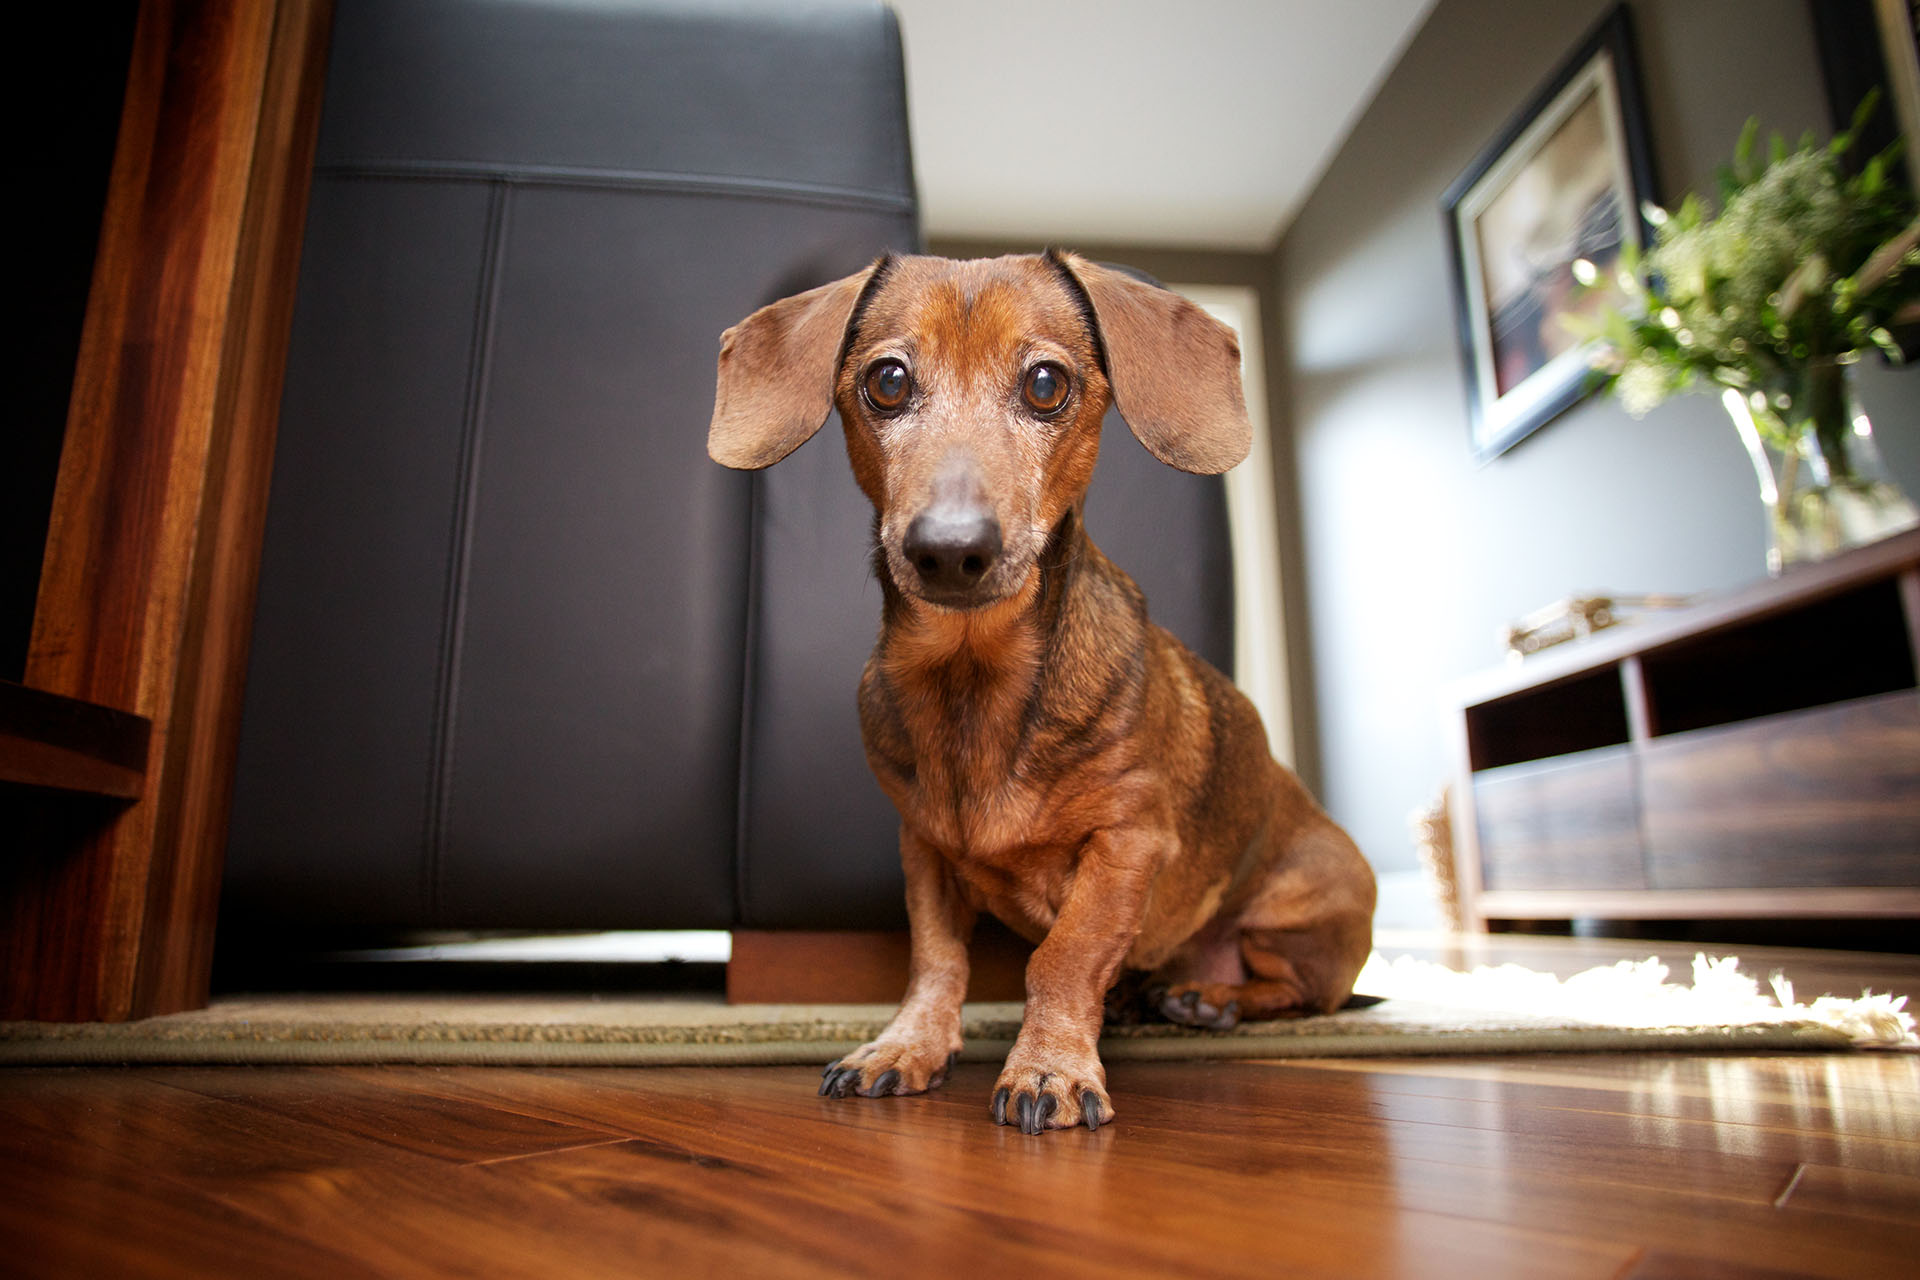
x,y
952,548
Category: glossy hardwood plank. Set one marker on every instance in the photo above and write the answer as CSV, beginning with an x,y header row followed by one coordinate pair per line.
x,y
1611,1177
1707,1157
1035,1208
1819,1089
1571,1166
138,1121
256,1172
378,1210
60,1217
496,1221
1868,1104
367,1106
1124,1200
97,1180
1854,1192
1664,1264
1192,1136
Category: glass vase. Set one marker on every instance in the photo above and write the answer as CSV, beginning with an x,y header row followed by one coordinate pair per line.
x,y
1821,478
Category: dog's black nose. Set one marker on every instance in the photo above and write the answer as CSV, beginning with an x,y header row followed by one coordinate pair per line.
x,y
952,550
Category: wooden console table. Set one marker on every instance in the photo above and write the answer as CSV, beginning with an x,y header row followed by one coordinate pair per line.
x,y
1757,755
116,749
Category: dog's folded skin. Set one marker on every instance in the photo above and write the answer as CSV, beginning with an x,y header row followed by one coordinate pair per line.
x,y
1056,758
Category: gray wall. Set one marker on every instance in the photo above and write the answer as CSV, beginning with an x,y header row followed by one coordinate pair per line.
x,y
1411,556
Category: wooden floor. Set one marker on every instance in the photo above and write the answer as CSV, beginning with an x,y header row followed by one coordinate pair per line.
x,y
1618,1166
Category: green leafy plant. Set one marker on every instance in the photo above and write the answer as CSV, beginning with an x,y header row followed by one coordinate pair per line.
x,y
1805,266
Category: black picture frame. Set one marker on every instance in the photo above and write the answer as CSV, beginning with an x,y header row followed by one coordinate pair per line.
x,y
1871,46
1566,179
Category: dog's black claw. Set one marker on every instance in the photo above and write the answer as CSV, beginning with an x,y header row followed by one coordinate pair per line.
x,y
1034,1112
1213,1019
1092,1114
1182,1008
1000,1100
1189,1009
884,1085
841,1083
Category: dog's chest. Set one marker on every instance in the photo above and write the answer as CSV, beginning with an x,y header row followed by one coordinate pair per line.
x,y
971,773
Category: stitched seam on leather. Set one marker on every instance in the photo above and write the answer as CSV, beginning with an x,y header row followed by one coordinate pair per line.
x,y
453,633
750,652
623,179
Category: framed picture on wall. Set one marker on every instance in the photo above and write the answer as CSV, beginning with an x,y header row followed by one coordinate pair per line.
x,y
1548,205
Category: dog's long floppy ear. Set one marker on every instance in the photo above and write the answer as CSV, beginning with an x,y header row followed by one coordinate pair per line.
x,y
777,370
1174,369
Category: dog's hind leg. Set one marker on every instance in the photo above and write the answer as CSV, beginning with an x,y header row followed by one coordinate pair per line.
x,y
1194,986
1292,973
1300,944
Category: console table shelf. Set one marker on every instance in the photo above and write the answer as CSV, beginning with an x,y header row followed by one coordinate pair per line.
x,y
1756,755
63,744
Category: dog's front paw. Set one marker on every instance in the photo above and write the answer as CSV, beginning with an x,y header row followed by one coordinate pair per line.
x,y
885,1068
1057,1095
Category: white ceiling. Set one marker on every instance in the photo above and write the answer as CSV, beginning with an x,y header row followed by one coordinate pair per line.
x,y
1198,123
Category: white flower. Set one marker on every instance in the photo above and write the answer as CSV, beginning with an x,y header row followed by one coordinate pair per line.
x,y
1641,387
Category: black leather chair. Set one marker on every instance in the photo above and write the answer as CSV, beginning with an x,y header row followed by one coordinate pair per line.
x,y
523,657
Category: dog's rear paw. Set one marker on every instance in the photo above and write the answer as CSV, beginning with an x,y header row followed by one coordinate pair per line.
x,y
1199,1004
880,1070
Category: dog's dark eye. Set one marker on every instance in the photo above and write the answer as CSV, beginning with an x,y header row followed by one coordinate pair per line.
x,y
1046,388
888,385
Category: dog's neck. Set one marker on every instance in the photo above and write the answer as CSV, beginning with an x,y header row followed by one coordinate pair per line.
x,y
965,702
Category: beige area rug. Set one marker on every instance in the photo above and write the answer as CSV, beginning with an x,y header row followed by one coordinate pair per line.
x,y
1427,1009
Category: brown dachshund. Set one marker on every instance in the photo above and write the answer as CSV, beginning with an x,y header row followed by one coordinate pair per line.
x,y
1056,758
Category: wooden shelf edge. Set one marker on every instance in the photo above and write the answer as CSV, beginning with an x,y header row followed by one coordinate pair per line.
x,y
1890,559
51,741
1697,904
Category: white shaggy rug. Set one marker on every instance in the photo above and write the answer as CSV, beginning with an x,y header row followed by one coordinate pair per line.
x,y
1637,994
